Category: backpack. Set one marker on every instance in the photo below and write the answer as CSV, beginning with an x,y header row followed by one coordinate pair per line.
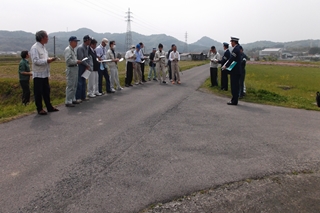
x,y
318,99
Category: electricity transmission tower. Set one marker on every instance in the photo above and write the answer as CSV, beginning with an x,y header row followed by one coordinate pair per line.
x,y
128,42
186,43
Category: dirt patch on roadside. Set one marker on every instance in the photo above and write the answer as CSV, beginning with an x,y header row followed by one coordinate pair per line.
x,y
278,193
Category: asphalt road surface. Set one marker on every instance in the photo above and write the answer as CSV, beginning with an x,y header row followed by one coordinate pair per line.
x,y
148,144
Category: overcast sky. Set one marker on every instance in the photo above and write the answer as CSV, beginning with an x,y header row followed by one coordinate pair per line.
x,y
250,20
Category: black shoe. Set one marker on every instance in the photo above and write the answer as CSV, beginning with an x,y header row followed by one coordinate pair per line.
x,y
53,110
127,85
164,82
144,81
110,92
70,105
155,79
130,85
230,103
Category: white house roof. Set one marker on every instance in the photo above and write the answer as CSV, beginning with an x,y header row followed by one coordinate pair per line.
x,y
272,50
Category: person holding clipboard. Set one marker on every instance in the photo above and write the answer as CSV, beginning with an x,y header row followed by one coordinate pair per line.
x,y
233,66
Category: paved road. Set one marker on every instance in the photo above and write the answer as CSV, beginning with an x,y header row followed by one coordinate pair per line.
x,y
151,143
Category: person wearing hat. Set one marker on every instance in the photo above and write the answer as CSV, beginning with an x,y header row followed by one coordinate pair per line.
x,y
152,66
130,57
71,72
224,73
138,61
82,53
41,72
214,57
101,51
235,72
160,60
113,65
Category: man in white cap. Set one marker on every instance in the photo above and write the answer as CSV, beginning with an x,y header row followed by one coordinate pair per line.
x,y
72,72
101,51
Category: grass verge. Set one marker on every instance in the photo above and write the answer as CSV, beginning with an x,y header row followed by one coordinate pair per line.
x,y
287,86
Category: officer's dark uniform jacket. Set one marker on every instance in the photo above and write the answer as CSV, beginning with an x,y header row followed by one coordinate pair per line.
x,y
225,57
235,56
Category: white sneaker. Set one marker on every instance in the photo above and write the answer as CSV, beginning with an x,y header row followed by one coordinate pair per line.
x,y
137,83
119,88
98,94
113,90
91,96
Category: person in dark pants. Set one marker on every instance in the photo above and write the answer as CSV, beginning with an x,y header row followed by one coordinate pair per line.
x,y
235,72
24,77
41,73
103,71
82,53
169,63
142,64
130,57
242,73
152,66
214,57
224,73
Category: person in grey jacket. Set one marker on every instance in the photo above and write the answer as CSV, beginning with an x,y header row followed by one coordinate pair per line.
x,y
214,57
82,53
71,71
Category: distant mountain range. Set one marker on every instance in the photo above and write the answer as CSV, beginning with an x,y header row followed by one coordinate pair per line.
x,y
20,40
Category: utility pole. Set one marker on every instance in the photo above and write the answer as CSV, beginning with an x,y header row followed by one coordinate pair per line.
x,y
128,41
186,43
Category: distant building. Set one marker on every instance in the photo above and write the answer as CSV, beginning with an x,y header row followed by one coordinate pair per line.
x,y
185,57
276,52
198,56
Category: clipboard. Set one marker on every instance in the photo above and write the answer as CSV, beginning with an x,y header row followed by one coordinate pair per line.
x,y
232,65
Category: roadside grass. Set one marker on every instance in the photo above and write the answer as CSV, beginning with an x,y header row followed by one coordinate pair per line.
x,y
288,86
10,90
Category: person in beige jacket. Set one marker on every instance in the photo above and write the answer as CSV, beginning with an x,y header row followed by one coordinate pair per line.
x,y
113,65
214,57
174,57
160,60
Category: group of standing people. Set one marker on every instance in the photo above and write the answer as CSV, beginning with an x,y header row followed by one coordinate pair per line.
x,y
236,60
98,61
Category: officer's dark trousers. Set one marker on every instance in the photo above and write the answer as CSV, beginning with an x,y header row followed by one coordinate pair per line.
x,y
103,73
241,83
41,89
235,79
224,79
214,76
25,91
142,71
129,74
169,70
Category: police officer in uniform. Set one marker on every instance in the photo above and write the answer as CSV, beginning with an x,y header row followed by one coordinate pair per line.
x,y
224,73
235,72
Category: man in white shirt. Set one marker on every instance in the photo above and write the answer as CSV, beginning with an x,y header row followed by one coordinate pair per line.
x,y
130,57
41,73
101,51
214,57
174,57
